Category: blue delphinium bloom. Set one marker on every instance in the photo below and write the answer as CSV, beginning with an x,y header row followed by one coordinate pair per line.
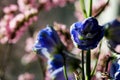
x,y
47,42
115,70
55,67
112,33
87,34
56,62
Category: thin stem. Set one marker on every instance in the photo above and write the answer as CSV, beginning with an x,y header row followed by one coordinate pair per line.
x,y
41,66
64,69
83,8
88,65
65,72
93,71
83,75
90,8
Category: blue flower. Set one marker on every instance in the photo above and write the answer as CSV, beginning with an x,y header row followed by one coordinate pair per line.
x,y
115,70
55,67
87,34
112,33
47,42
56,62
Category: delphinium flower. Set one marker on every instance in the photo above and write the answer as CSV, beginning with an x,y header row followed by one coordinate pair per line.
x,y
46,43
115,70
48,40
49,46
112,34
86,34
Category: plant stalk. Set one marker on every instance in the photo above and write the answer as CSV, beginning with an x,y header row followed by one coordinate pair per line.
x,y
83,74
88,65
90,8
82,3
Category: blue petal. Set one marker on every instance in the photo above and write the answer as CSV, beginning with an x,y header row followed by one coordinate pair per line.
x,y
56,62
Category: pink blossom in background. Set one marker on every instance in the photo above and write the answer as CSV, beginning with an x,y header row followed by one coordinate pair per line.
x,y
28,58
78,11
13,7
10,9
61,3
13,26
26,4
117,49
29,44
64,35
49,4
26,76
4,27
47,76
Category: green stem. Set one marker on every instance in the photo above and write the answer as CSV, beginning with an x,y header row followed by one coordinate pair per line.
x,y
90,8
93,71
83,8
83,75
65,72
64,69
88,65
41,65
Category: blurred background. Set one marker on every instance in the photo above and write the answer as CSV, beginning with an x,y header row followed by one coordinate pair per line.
x,y
17,59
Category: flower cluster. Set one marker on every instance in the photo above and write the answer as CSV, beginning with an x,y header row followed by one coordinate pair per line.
x,y
19,17
13,26
55,44
49,4
48,45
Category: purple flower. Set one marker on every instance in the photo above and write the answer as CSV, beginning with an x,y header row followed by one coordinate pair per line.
x,y
48,42
87,34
